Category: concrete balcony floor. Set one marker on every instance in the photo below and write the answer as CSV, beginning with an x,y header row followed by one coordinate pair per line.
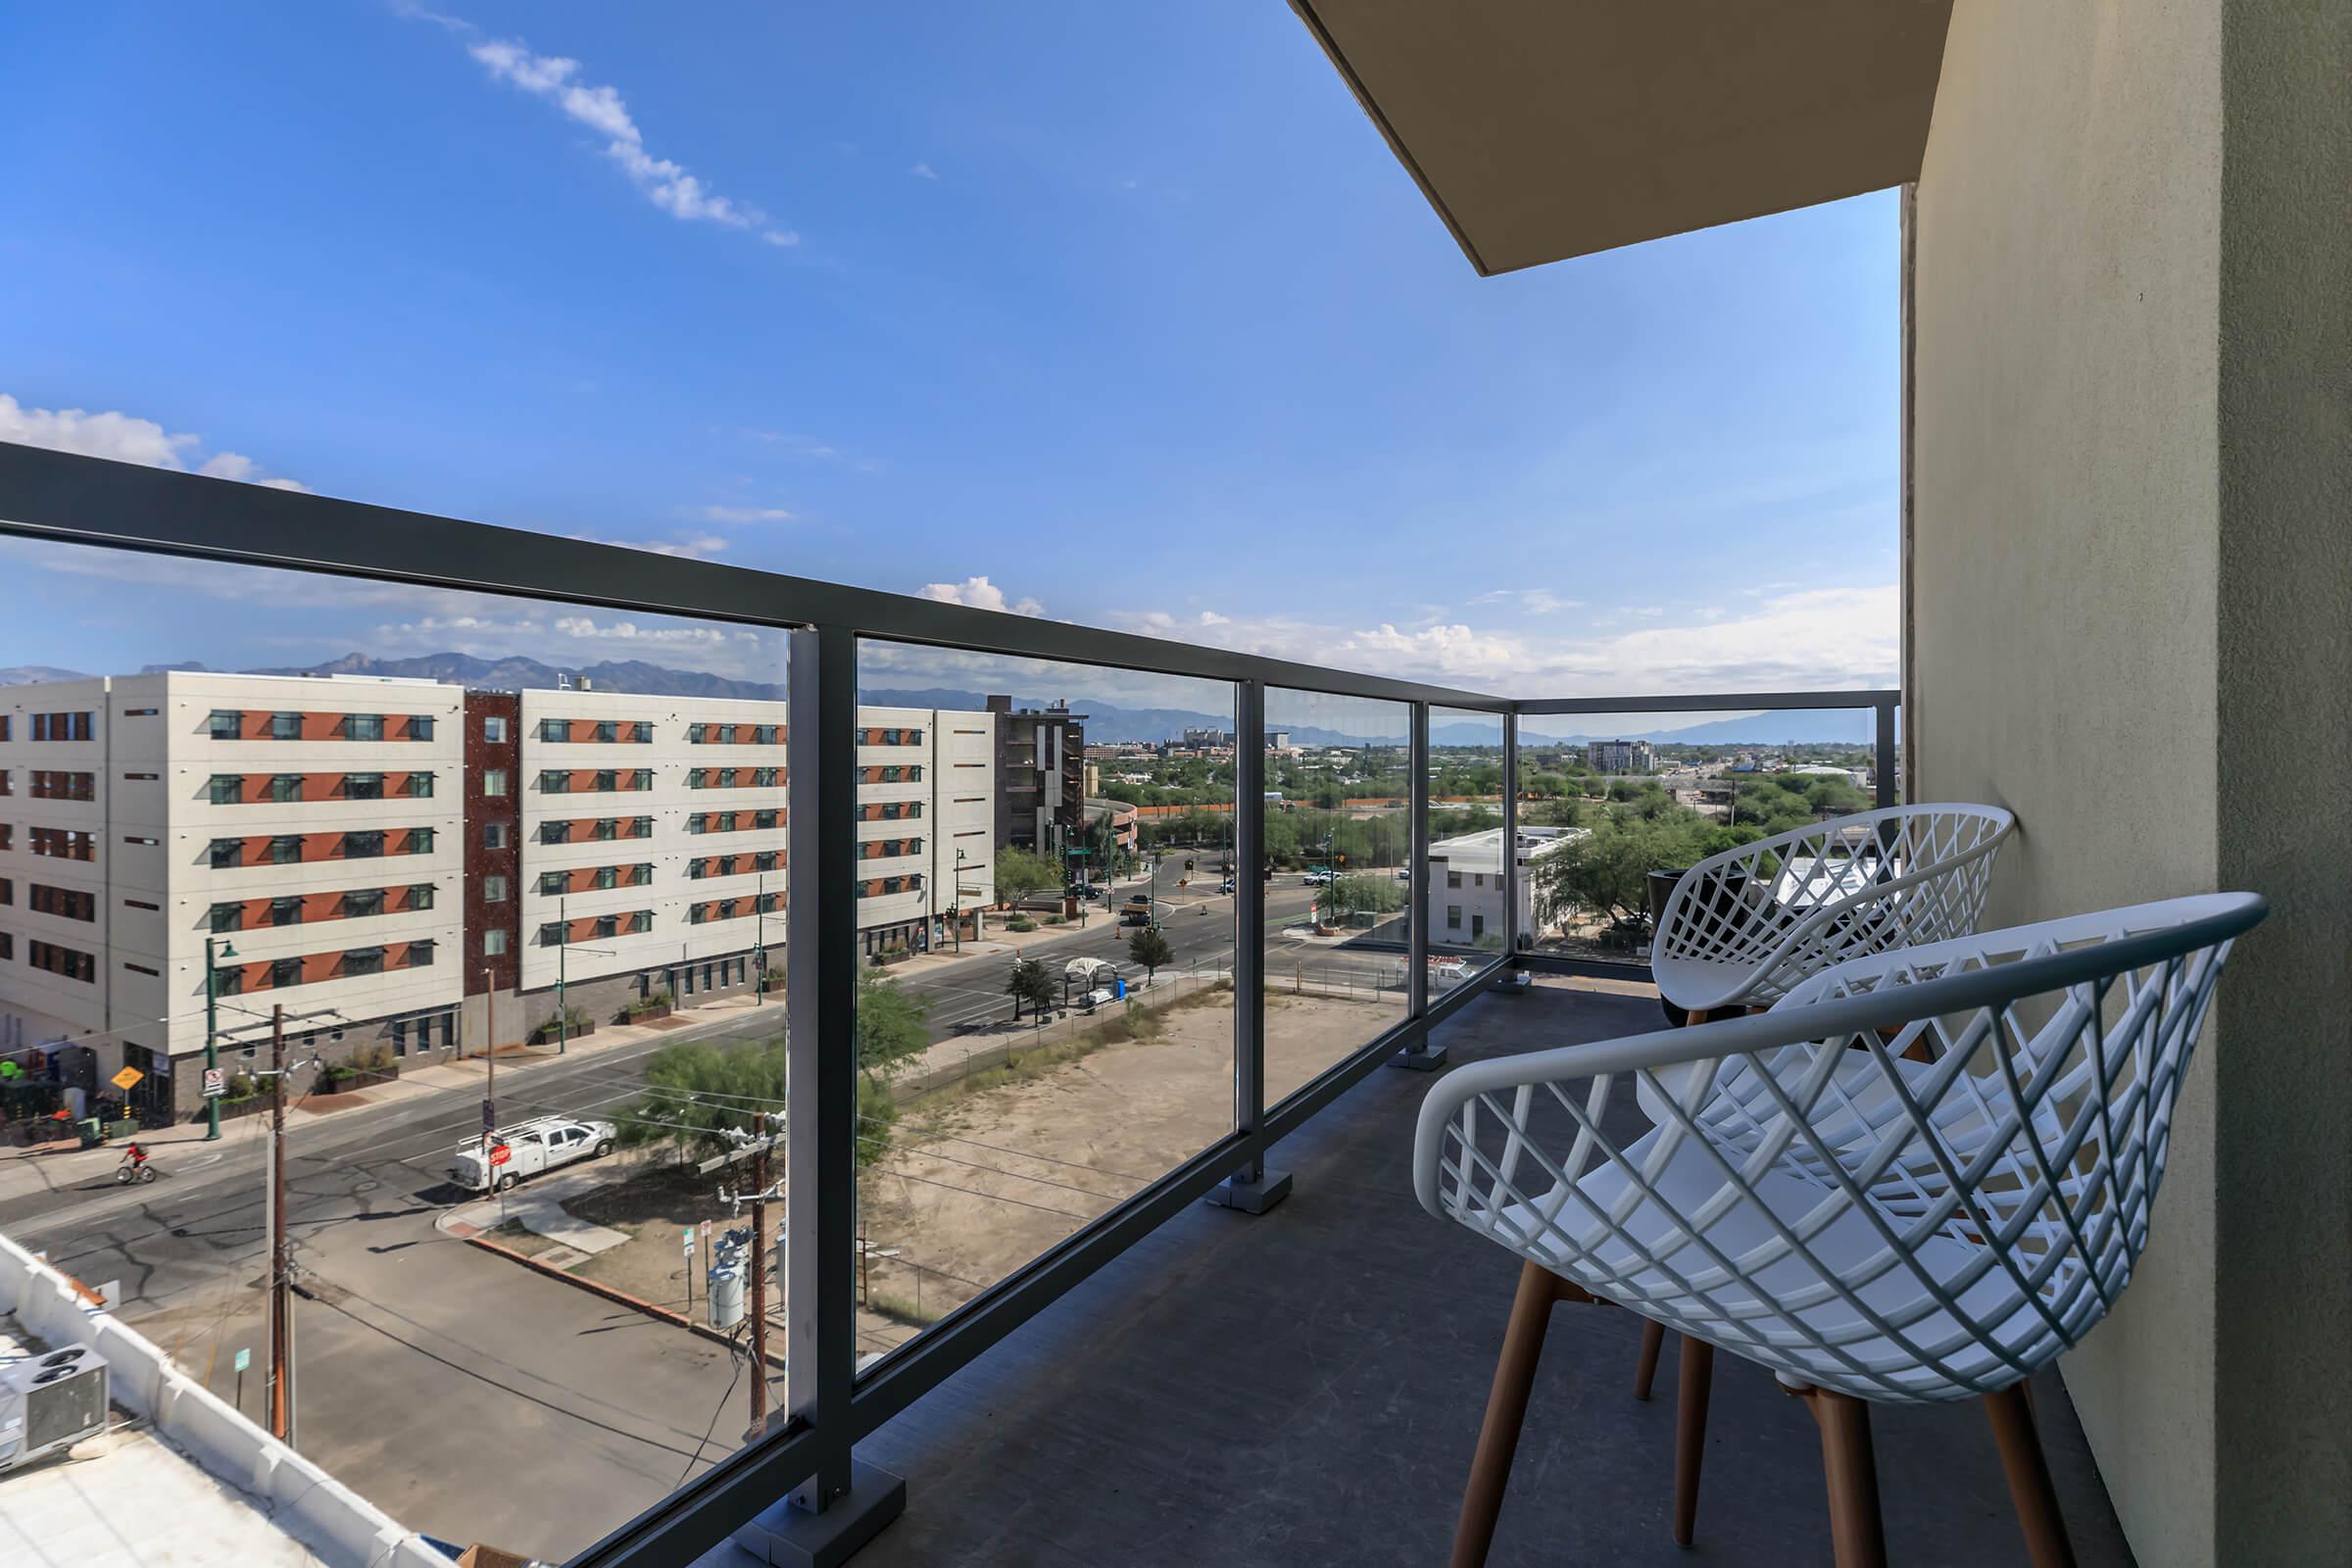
x,y
1305,1388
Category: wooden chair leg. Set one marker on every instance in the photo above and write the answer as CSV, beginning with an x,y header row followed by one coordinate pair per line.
x,y
2030,1490
1696,1379
1653,1339
1506,1411
1856,1534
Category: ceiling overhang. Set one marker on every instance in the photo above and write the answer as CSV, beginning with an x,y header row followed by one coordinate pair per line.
x,y
1541,129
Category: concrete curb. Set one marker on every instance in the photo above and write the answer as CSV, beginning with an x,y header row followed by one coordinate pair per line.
x,y
618,1298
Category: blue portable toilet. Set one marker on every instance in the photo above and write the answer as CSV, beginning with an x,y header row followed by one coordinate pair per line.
x,y
1119,987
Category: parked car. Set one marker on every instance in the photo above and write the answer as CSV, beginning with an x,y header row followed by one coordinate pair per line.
x,y
1317,879
1133,915
529,1149
1404,873
1226,886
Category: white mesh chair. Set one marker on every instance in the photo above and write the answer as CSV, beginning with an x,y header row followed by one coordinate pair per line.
x,y
1926,1232
1742,927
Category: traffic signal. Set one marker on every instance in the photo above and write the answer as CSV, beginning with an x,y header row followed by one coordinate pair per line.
x,y
1342,859
1188,862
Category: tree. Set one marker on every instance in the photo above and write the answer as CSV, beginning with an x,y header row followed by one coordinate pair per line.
x,y
700,1095
1029,983
1349,895
1021,874
1150,947
1607,867
892,1025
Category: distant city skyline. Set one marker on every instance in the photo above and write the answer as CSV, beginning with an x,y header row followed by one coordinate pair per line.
x,y
1009,312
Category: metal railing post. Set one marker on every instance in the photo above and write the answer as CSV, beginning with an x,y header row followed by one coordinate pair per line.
x,y
1882,756
1418,1054
843,1503
1513,936
1252,1189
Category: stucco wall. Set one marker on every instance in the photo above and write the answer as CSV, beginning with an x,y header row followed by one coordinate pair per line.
x,y
2123,622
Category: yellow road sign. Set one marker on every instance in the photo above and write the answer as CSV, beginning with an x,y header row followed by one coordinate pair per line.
x,y
126,1078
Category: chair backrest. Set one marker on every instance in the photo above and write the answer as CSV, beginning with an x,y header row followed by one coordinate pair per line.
x,y
1897,1230
1794,904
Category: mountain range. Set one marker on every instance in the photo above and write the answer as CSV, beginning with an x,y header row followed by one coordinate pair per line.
x,y
1107,723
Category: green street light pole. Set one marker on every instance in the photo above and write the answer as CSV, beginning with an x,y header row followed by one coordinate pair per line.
x,y
759,941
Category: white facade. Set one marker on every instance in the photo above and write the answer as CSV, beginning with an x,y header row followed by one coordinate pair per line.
x,y
708,785
267,813
1462,886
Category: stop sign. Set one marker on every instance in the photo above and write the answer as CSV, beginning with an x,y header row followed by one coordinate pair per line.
x,y
500,1153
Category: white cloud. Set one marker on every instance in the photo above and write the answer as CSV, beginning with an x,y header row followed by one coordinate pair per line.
x,y
800,446
692,547
744,515
123,438
666,182
979,593
922,171
1819,638
1537,600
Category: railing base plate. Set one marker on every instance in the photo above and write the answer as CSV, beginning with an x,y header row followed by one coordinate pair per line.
x,y
1424,1060
1250,1197
788,1536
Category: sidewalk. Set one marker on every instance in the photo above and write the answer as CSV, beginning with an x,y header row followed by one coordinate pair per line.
x,y
53,1167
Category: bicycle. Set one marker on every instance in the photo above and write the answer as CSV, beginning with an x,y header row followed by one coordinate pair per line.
x,y
134,1167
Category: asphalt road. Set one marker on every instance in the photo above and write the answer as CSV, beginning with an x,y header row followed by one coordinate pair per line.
x,y
471,1398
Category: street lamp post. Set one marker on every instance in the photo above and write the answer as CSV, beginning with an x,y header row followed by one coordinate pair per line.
x,y
562,946
214,951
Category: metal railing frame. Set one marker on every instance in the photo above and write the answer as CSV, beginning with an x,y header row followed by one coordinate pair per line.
x,y
806,1453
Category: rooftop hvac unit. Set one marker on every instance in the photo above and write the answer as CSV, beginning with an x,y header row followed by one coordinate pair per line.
x,y
49,1403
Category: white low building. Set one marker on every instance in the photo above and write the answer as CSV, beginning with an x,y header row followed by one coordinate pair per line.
x,y
1462,889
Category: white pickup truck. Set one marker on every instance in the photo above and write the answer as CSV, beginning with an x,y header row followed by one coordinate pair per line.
x,y
527,1149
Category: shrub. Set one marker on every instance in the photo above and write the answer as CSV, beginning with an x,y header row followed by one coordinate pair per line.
x,y
1057,920
1020,923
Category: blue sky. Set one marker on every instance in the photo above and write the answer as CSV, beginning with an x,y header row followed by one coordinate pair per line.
x,y
1122,314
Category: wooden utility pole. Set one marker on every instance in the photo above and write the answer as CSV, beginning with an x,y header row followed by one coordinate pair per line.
x,y
758,1283
281,1335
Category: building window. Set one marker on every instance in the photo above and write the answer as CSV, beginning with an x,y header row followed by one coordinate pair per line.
x,y
285,849
494,890
420,841
494,835
62,727
608,925
698,913
223,853
364,845
286,971
641,827
286,912
607,828
420,955
641,732
1453,916
285,726
555,832
227,789
608,877
421,786
421,726
363,960
555,781
364,727
494,782
764,734
607,779
494,942
284,787
693,734
1453,879
226,724
361,902
363,786
494,730
551,934
552,883
606,732
229,917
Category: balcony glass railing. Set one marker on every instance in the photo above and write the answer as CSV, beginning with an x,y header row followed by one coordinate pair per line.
x,y
781,1033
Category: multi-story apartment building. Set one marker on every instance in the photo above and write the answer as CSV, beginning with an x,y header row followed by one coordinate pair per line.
x,y
1041,776
410,864
298,836
1619,757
